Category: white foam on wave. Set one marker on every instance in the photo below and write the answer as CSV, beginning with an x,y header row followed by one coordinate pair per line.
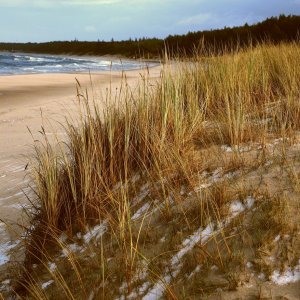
x,y
31,64
36,58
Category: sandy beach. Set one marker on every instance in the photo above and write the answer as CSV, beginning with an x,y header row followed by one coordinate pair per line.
x,y
22,99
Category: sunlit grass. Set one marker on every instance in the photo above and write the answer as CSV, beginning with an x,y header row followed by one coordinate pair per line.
x,y
165,132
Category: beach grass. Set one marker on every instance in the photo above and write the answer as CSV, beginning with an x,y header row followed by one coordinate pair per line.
x,y
158,187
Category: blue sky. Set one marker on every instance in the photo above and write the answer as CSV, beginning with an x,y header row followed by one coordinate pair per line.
x,y
47,20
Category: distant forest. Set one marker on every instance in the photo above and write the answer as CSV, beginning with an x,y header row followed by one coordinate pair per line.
x,y
274,30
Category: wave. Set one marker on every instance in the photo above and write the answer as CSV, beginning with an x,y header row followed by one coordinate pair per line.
x,y
36,59
12,63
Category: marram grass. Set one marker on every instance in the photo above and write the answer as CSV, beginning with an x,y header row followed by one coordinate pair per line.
x,y
161,131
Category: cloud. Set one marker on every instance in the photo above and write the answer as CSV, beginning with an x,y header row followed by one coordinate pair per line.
x,y
11,3
88,2
197,19
49,3
121,19
90,28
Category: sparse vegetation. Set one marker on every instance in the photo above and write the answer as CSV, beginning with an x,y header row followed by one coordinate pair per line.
x,y
184,187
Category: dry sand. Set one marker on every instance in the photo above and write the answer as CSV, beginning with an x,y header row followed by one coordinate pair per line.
x,y
22,98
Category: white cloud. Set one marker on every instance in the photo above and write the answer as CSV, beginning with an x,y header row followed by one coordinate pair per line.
x,y
81,3
88,2
49,3
197,19
121,19
90,28
11,3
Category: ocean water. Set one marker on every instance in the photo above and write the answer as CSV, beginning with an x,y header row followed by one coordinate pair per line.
x,y
17,63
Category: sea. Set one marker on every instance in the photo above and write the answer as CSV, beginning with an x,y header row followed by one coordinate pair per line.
x,y
20,63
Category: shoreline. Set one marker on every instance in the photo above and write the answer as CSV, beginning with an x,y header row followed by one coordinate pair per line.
x,y
13,83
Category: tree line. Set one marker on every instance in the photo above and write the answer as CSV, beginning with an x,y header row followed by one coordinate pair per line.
x,y
275,30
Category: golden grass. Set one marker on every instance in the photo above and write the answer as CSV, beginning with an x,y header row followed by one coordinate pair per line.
x,y
165,132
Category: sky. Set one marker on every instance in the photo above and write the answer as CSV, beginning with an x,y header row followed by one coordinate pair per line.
x,y
49,20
